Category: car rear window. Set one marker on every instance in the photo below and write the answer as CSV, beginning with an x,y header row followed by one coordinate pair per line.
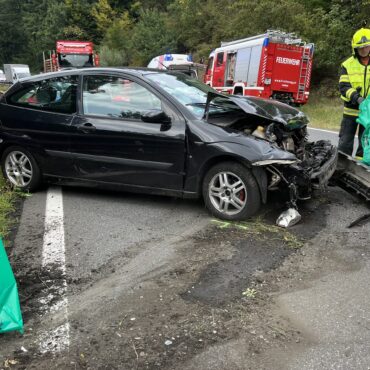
x,y
54,95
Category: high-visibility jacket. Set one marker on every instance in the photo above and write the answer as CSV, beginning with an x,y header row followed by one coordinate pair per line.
x,y
354,82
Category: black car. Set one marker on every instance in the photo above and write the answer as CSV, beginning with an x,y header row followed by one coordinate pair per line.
x,y
158,132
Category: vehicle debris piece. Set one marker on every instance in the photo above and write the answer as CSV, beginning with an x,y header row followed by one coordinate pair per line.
x,y
353,174
9,362
288,218
10,312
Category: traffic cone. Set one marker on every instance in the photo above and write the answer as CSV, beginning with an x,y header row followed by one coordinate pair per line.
x,y
10,311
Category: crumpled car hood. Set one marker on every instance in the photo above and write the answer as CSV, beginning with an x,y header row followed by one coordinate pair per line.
x,y
266,109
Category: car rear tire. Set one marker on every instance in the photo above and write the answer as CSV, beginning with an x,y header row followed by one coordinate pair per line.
x,y
20,169
230,192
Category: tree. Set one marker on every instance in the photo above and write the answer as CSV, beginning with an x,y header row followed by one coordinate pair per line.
x,y
116,45
78,14
150,37
103,15
12,38
42,32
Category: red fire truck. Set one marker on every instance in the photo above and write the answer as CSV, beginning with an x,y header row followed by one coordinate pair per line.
x,y
71,54
272,65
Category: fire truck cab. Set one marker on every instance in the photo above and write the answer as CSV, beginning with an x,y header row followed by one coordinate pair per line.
x,y
71,54
273,65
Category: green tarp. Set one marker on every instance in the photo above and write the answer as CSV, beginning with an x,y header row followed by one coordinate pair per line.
x,y
364,120
10,312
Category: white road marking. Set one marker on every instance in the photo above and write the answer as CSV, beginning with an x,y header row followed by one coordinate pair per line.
x,y
329,131
319,129
53,259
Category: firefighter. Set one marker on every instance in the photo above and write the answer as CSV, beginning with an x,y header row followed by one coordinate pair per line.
x,y
354,86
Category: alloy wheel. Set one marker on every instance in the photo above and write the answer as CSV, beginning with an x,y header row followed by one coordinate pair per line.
x,y
18,169
228,193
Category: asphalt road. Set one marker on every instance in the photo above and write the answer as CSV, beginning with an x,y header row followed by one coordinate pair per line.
x,y
317,134
101,226
104,230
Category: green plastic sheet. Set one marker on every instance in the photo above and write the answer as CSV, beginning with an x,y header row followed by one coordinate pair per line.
x,y
364,120
10,311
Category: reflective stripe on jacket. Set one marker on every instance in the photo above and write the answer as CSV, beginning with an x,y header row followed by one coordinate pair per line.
x,y
354,82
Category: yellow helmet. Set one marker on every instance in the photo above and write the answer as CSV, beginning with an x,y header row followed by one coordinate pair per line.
x,y
361,38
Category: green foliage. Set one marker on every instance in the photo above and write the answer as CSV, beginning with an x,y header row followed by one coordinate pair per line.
x,y
103,15
324,110
74,33
12,39
112,57
134,31
150,37
118,35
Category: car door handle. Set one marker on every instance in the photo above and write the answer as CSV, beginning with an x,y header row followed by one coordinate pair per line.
x,y
86,127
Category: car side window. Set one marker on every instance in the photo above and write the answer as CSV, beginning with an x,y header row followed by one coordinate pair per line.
x,y
56,94
118,97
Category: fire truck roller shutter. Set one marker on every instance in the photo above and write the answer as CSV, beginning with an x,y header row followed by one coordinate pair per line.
x,y
242,64
254,65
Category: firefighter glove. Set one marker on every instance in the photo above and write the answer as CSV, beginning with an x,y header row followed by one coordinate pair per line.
x,y
360,100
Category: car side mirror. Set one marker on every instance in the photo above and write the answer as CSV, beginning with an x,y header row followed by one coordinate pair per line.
x,y
155,116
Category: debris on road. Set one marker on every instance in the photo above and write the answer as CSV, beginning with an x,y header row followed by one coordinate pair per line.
x,y
288,218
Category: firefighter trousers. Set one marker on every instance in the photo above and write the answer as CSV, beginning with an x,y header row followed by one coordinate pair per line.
x,y
347,134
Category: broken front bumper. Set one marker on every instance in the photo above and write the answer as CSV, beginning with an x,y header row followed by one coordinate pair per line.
x,y
353,174
320,177
306,176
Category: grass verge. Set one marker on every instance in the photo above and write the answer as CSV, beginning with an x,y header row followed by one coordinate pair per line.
x,y
3,88
7,199
324,112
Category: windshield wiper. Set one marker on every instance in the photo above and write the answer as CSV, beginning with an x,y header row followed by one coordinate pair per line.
x,y
196,104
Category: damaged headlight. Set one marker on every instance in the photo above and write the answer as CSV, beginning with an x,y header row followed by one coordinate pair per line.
x,y
266,162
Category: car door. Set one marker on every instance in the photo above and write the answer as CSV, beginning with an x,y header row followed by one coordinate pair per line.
x,y
38,116
111,143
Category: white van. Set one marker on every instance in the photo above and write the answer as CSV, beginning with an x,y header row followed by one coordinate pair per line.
x,y
14,72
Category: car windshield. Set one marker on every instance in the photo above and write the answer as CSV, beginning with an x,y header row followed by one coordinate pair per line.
x,y
75,60
188,91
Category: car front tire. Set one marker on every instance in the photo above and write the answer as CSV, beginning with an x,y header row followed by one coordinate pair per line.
x,y
230,192
20,169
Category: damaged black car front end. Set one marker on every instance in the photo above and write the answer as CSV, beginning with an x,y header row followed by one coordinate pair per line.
x,y
310,164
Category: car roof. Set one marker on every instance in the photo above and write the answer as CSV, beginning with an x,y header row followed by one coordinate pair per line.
x,y
139,71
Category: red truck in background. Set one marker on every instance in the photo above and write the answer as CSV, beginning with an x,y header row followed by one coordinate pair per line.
x,y
273,65
71,54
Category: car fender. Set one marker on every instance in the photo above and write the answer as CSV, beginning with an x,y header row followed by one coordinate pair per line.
x,y
202,156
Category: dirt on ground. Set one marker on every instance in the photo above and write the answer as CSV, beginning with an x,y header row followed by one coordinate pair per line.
x,y
220,288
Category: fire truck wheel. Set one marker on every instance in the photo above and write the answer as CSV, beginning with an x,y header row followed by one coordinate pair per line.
x,y
231,192
20,169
